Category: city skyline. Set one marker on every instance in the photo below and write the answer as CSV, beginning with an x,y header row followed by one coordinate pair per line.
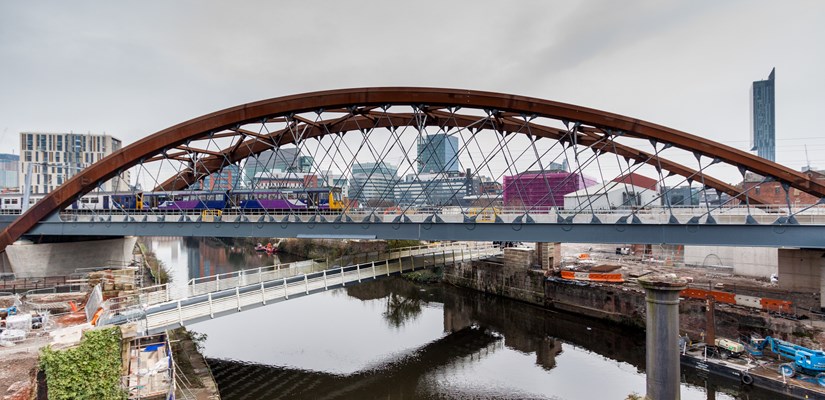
x,y
146,78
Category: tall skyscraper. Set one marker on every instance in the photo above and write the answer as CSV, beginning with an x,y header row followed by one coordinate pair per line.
x,y
56,157
437,154
763,118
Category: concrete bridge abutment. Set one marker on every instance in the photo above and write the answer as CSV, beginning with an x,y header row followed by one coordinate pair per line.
x,y
802,269
30,260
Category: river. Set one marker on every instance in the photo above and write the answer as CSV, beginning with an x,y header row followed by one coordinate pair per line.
x,y
393,339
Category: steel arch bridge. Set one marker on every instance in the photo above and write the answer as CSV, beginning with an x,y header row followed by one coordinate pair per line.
x,y
430,163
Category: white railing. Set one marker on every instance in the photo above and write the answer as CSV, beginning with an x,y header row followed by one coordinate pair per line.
x,y
226,280
179,312
651,214
249,276
140,298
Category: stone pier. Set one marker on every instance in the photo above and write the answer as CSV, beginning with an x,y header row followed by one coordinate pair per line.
x,y
549,254
662,350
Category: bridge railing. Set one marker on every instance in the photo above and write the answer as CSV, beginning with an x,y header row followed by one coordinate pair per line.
x,y
141,298
178,312
217,282
248,276
734,214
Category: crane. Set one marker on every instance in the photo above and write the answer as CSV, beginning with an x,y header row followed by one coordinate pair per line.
x,y
804,360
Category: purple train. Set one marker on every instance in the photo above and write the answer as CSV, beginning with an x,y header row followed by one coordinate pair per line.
x,y
265,199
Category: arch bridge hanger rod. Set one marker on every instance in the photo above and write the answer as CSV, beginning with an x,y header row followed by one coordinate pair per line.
x,y
586,136
363,98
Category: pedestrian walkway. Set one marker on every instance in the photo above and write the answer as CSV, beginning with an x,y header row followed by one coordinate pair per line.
x,y
258,289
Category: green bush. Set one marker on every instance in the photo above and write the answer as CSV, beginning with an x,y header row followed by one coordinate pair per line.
x,y
89,371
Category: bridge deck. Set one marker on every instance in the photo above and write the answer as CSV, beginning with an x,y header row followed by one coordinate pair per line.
x,y
254,291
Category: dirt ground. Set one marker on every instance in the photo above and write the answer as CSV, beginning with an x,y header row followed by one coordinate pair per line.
x,y
18,363
635,265
19,366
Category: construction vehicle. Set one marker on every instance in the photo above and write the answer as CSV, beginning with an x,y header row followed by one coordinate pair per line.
x,y
729,348
804,360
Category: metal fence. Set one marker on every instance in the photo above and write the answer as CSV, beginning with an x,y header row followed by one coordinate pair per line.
x,y
179,312
95,299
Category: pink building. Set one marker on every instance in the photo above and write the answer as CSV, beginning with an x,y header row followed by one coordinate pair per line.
x,y
543,189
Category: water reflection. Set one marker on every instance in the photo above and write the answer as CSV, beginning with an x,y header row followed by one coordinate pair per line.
x,y
396,340
191,257
483,347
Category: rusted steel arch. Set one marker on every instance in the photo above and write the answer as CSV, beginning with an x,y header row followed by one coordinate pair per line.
x,y
177,135
445,120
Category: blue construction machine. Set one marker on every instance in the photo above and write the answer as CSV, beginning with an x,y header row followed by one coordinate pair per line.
x,y
803,360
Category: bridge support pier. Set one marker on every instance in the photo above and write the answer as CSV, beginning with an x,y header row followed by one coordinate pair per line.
x,y
662,349
802,269
30,260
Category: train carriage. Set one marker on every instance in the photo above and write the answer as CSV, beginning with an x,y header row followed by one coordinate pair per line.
x,y
190,200
327,198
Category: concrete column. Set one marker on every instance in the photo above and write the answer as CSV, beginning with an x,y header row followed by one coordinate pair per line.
x,y
662,349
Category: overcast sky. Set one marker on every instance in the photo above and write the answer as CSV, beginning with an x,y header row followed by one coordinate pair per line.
x,y
133,69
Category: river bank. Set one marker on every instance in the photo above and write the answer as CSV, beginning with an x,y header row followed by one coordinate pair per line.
x,y
623,303
289,355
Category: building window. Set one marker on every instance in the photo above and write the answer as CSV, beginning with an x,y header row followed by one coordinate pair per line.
x,y
776,190
29,141
757,190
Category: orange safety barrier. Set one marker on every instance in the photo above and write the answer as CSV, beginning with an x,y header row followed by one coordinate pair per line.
x,y
776,305
592,276
730,298
719,297
96,316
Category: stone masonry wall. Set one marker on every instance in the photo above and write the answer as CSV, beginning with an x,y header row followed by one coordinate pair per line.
x,y
519,257
549,254
489,277
623,304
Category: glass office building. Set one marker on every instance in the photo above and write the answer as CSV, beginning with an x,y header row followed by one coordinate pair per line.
x,y
763,118
437,154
